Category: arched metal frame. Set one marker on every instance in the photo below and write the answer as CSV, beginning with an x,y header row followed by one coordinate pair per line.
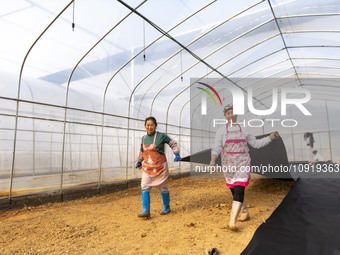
x,y
66,102
214,69
18,95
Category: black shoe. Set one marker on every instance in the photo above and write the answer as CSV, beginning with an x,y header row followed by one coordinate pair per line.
x,y
214,251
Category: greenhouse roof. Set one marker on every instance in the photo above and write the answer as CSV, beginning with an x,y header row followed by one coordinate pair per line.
x,y
136,58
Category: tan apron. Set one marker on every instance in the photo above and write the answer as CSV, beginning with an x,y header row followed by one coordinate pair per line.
x,y
155,167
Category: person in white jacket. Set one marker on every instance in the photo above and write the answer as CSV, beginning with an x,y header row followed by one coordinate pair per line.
x,y
316,158
231,142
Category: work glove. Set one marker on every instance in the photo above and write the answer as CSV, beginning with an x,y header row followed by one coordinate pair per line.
x,y
177,158
139,165
274,135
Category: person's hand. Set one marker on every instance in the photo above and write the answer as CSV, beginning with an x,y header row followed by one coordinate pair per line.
x,y
274,135
212,165
213,160
177,158
139,165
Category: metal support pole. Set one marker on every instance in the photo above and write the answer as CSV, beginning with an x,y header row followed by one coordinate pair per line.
x,y
18,97
132,85
329,132
33,156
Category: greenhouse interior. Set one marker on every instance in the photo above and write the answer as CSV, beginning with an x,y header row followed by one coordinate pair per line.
x,y
80,77
79,80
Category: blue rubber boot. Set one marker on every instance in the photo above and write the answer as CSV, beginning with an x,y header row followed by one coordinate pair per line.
x,y
146,205
166,202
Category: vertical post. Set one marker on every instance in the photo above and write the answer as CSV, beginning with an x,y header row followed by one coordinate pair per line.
x,y
133,104
179,137
71,152
209,137
79,154
301,146
329,132
63,149
293,145
127,150
202,134
119,150
101,146
33,137
18,99
51,147
292,135
98,153
14,144
128,125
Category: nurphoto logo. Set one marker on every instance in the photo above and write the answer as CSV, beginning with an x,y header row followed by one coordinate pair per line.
x,y
239,103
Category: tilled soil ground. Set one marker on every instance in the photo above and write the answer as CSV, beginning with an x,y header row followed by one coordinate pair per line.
x,y
108,224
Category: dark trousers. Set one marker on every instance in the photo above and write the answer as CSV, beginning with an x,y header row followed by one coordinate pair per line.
x,y
238,193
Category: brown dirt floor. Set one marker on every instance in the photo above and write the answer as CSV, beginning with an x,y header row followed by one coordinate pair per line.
x,y
108,224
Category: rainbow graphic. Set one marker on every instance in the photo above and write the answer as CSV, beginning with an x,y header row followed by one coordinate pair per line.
x,y
209,93
204,100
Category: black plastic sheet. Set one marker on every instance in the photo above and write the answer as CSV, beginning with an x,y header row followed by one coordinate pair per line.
x,y
306,222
